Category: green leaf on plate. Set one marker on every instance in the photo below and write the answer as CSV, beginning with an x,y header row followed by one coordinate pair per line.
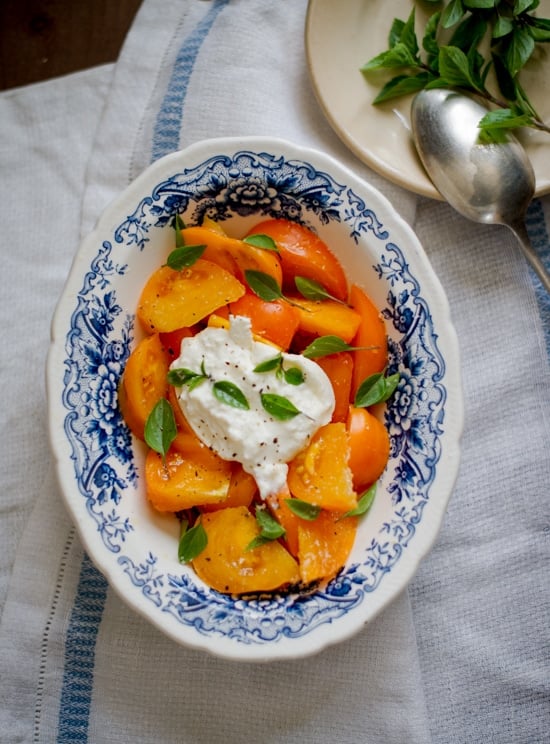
x,y
184,256
364,504
293,375
270,365
265,242
270,529
227,392
397,57
178,227
520,49
452,13
403,85
303,509
312,290
160,427
375,389
183,376
325,345
192,542
278,406
263,285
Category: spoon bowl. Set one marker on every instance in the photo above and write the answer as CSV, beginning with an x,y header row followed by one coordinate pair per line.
x,y
488,180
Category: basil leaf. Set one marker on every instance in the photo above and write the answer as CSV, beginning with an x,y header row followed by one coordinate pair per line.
x,y
504,119
263,285
520,6
505,81
429,40
257,542
396,57
325,345
408,36
192,543
452,13
502,27
228,393
364,504
395,32
375,389
178,227
312,290
265,242
160,427
184,255
303,509
454,67
520,48
268,524
539,32
469,33
279,407
269,365
293,376
402,85
270,529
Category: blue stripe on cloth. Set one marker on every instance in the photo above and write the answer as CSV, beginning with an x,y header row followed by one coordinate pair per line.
x,y
76,691
166,133
538,233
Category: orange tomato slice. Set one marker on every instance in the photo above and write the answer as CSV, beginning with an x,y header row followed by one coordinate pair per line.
x,y
143,383
228,566
369,447
320,473
275,321
174,299
371,335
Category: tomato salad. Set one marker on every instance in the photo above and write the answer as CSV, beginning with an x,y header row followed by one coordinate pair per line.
x,y
284,295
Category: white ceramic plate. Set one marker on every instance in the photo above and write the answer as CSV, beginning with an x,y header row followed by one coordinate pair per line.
x,y
341,37
100,466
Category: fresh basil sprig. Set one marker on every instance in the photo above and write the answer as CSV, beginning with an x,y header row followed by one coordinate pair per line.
x,y
512,32
160,427
291,375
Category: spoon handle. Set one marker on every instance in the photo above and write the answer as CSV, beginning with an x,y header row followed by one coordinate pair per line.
x,y
520,231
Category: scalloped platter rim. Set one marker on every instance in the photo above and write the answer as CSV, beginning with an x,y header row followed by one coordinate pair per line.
x,y
100,466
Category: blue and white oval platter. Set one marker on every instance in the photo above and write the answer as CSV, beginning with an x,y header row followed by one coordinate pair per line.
x,y
100,466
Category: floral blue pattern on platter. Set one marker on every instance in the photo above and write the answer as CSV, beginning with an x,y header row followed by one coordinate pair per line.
x,y
101,335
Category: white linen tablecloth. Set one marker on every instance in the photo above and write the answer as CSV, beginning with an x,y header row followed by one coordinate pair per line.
x,y
462,655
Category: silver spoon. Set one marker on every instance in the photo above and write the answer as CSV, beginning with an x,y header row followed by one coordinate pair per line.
x,y
491,183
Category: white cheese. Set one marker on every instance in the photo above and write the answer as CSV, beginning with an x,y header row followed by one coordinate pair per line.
x,y
261,443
